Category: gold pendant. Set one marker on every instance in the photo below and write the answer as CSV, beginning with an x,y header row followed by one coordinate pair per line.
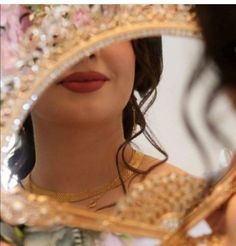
x,y
93,203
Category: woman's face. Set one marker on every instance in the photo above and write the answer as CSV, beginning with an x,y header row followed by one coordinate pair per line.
x,y
94,91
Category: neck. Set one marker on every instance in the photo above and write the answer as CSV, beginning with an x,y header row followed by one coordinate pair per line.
x,y
70,159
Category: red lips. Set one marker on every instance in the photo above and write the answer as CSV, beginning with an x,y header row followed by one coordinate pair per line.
x,y
84,82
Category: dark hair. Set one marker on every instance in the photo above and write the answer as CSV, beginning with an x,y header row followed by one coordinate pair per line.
x,y
148,52
218,25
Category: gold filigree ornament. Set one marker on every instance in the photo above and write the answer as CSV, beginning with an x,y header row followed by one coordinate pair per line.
x,y
162,201
58,38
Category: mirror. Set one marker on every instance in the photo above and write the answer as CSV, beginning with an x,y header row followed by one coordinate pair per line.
x,y
82,112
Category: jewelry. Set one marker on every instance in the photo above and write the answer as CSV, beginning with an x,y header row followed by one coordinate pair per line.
x,y
44,57
217,196
76,197
153,201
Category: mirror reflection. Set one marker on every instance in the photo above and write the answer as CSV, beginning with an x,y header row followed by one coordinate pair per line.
x,y
88,139
83,143
76,142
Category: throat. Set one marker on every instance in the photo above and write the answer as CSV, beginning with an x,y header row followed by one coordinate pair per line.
x,y
76,176
93,199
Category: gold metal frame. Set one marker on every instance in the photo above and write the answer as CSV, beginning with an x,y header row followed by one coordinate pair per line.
x,y
19,206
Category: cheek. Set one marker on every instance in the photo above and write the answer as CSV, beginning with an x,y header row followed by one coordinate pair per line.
x,y
119,62
46,105
128,71
125,60
122,60
55,105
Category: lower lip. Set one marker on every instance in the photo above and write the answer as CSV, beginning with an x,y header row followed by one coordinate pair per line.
x,y
84,87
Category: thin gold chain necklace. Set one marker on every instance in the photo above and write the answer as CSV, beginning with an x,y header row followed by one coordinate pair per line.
x,y
89,193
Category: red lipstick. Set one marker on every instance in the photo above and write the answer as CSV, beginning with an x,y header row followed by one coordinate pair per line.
x,y
84,82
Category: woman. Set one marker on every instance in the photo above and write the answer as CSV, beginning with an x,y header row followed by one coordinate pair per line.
x,y
42,112
95,116
218,25
91,127
79,133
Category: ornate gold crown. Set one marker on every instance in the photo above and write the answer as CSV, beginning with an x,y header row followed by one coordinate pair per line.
x,y
56,38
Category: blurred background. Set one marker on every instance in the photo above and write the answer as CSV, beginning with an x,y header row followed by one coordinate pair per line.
x,y
181,56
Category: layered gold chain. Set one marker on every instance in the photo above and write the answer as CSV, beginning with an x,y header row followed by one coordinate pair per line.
x,y
89,193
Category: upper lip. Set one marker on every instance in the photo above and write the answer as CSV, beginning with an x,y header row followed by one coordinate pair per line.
x,y
85,77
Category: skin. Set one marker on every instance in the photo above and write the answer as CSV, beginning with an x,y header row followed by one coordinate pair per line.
x,y
67,121
84,110
231,222
95,118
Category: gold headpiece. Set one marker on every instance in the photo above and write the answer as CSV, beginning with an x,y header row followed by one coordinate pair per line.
x,y
39,43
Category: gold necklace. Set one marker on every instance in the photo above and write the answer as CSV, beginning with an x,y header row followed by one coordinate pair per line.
x,y
89,193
